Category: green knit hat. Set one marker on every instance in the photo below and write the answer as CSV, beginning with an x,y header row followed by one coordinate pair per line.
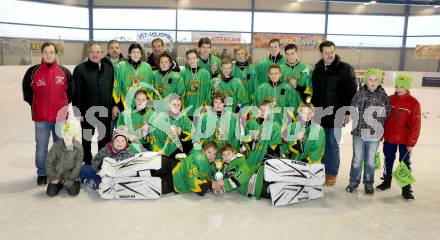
x,y
69,128
404,81
373,72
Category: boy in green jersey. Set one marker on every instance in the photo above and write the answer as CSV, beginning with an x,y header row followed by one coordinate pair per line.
x,y
133,72
170,131
165,80
304,140
244,70
297,73
136,120
232,87
236,172
262,135
206,60
197,84
218,124
285,98
275,57
193,173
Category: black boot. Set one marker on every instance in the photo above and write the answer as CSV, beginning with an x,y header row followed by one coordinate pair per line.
x,y
369,189
53,189
74,189
42,180
407,193
386,184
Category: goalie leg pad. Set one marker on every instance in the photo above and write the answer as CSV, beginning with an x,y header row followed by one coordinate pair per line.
x,y
130,188
285,193
295,172
139,165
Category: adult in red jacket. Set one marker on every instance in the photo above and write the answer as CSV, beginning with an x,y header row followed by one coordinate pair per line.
x,y
402,129
48,88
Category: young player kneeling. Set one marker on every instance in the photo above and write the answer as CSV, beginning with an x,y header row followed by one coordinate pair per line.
x,y
289,181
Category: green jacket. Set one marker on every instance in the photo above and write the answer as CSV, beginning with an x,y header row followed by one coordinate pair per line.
x,y
236,175
192,174
167,83
233,88
162,134
127,76
302,73
263,66
267,142
248,77
64,164
197,89
312,147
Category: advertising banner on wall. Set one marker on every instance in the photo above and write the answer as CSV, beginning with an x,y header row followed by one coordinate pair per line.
x,y
431,52
146,37
261,40
15,52
217,38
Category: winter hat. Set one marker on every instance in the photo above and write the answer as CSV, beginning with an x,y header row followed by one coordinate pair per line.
x,y
373,72
404,81
120,132
69,128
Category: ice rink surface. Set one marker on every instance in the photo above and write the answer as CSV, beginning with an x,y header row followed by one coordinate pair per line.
x,y
27,213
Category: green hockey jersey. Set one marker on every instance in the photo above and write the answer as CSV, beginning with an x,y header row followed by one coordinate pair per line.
x,y
234,90
311,149
192,174
236,175
163,137
127,76
206,64
197,89
248,76
268,140
213,126
167,83
302,73
134,120
263,66
284,97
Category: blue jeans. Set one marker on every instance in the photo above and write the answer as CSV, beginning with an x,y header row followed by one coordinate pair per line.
x,y
389,151
363,151
331,158
42,135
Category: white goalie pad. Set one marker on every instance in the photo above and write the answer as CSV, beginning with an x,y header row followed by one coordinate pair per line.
x,y
130,188
286,193
138,165
295,172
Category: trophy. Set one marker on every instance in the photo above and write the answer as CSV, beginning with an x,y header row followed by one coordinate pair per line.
x,y
218,163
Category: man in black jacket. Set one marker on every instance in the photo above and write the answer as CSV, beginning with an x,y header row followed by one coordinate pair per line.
x,y
334,85
158,48
113,56
93,97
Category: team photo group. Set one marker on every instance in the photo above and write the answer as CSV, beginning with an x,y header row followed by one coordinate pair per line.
x,y
267,130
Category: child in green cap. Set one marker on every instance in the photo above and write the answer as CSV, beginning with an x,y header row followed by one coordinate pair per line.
x,y
402,130
64,163
372,107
